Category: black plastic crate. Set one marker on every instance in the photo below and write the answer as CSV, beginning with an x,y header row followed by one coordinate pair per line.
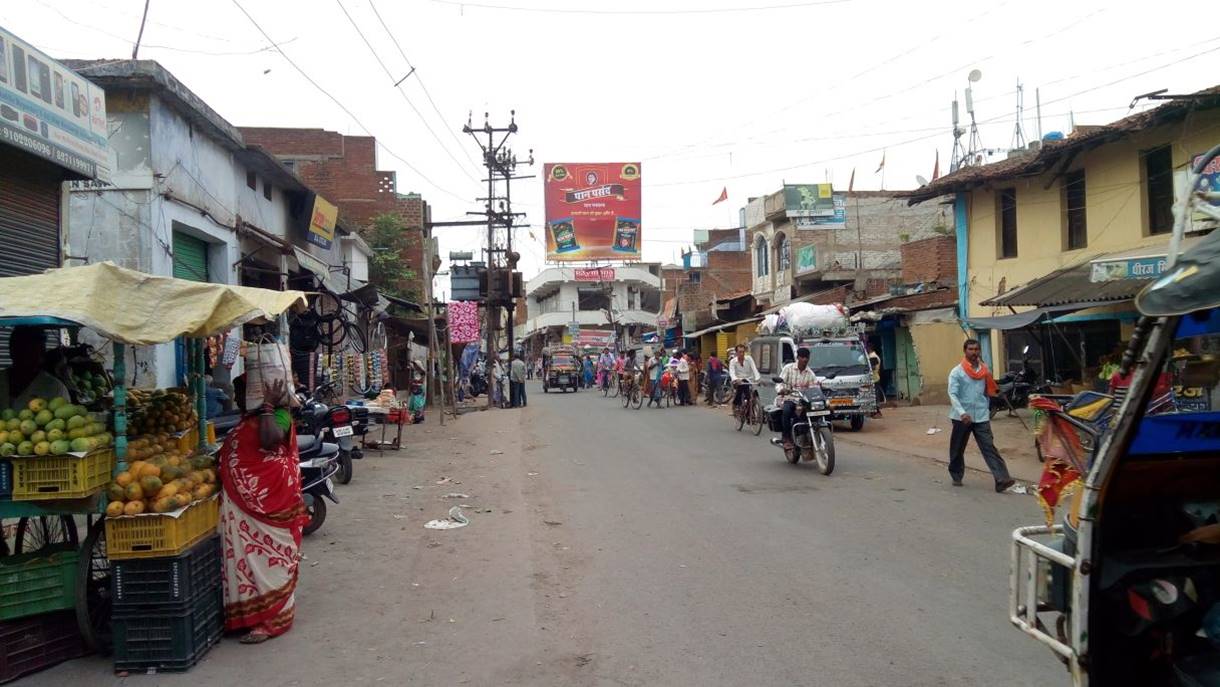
x,y
170,580
36,642
6,479
167,639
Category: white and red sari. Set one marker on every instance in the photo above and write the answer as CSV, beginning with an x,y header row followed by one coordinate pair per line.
x,y
261,516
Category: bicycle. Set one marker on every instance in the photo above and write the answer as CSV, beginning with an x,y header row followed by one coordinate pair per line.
x,y
749,412
632,393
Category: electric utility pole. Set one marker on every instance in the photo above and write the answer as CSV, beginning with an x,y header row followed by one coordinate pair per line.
x,y
501,163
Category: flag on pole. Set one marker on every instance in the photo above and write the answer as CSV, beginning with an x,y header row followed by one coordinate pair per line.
x,y
852,181
724,195
881,166
936,167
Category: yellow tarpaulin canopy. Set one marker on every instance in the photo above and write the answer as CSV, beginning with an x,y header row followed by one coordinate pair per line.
x,y
137,308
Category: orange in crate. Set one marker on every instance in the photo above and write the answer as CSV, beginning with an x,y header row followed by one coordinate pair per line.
x,y
153,535
42,478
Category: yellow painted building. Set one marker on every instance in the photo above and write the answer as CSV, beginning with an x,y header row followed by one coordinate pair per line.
x,y
1079,222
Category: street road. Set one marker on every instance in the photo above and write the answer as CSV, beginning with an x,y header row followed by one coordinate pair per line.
x,y
650,547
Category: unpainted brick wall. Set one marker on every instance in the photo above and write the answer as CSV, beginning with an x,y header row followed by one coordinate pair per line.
x,y
930,261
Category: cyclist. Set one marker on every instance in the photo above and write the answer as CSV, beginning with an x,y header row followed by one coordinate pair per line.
x,y
605,363
743,373
797,377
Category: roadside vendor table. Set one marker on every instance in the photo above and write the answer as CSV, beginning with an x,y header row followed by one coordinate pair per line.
x,y
381,416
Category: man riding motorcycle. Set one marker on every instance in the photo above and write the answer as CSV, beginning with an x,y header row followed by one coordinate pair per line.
x,y
797,377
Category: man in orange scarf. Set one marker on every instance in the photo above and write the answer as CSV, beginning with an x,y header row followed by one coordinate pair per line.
x,y
970,387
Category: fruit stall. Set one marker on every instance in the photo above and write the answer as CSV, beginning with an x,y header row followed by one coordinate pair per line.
x,y
109,496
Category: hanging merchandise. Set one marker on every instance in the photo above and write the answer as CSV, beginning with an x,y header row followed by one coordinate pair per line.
x,y
232,347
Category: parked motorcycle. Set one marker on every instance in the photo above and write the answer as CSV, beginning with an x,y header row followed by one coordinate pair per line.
x,y
812,436
319,419
319,462
1016,386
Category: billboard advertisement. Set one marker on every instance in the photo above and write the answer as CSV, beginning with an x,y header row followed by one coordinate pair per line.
x,y
815,206
592,211
51,111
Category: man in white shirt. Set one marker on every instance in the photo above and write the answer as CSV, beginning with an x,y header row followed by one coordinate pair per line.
x,y
742,373
683,369
797,377
27,379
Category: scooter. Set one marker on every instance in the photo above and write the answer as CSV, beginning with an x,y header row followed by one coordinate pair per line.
x,y
812,436
319,419
319,462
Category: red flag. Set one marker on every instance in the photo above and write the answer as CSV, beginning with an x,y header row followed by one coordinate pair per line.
x,y
851,182
882,165
936,167
724,195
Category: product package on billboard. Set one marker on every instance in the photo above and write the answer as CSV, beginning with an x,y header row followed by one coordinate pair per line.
x,y
593,211
564,235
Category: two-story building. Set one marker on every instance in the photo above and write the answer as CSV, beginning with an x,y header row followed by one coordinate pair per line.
x,y
189,198
851,245
596,306
1055,241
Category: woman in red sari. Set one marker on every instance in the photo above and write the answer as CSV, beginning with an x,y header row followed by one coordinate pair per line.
x,y
261,516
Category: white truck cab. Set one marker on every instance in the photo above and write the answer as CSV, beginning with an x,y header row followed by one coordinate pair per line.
x,y
840,363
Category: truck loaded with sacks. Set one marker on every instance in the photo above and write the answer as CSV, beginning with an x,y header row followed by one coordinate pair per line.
x,y
837,356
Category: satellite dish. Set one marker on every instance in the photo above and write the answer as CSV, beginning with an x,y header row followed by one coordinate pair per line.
x,y
920,180
975,75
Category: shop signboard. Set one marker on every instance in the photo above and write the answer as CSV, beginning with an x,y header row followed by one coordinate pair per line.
x,y
592,211
594,338
322,218
815,206
806,259
1128,268
51,111
596,274
1210,180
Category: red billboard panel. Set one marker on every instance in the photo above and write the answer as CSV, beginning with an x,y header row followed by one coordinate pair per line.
x,y
592,211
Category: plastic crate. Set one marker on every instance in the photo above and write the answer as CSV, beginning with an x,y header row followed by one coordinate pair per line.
x,y
37,582
38,642
6,479
41,478
157,535
167,638
160,581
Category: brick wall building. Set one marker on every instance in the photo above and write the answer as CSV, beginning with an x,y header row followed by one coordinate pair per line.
x,y
343,169
930,261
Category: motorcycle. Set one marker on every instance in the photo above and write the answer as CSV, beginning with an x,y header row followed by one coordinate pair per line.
x,y
318,419
1016,386
319,462
812,436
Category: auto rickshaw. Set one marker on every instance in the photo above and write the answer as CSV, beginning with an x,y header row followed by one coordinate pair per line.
x,y
1125,589
560,369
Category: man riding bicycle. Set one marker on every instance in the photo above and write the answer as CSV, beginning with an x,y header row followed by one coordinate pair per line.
x,y
797,377
743,373
605,363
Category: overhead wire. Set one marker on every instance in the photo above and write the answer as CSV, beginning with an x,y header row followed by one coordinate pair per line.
x,y
628,12
420,80
345,109
398,88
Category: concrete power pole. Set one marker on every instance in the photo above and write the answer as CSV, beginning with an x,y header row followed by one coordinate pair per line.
x,y
501,163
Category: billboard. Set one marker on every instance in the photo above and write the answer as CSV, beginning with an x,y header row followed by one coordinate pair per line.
x,y
815,206
322,222
51,111
592,211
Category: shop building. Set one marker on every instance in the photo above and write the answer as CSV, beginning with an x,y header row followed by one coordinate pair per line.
x,y
52,130
592,306
1054,242
188,198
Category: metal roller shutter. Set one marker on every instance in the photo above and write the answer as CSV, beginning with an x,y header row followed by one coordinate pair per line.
x,y
190,257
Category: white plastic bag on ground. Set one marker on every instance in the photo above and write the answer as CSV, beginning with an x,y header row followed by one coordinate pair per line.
x,y
802,317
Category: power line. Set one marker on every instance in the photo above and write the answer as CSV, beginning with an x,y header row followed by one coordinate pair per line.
x,y
580,10
398,88
343,107
420,78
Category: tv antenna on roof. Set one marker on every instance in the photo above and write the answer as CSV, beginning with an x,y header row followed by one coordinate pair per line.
x,y
1018,136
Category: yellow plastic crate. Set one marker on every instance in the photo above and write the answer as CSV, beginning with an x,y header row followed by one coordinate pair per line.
x,y
42,478
153,535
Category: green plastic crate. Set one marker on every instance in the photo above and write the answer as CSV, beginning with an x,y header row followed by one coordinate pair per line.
x,y
37,582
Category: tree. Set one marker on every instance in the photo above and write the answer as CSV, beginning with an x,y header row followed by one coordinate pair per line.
x,y
390,237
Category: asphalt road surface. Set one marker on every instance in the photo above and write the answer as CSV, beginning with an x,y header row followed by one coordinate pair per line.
x,y
650,547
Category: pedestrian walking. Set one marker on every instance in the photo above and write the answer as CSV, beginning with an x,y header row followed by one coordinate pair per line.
x,y
970,386
588,370
715,375
696,371
684,375
516,381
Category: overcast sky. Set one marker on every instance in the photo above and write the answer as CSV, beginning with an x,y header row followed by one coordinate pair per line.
x,y
743,94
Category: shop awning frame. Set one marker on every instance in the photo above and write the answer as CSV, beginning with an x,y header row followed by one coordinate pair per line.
x,y
722,327
1026,318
